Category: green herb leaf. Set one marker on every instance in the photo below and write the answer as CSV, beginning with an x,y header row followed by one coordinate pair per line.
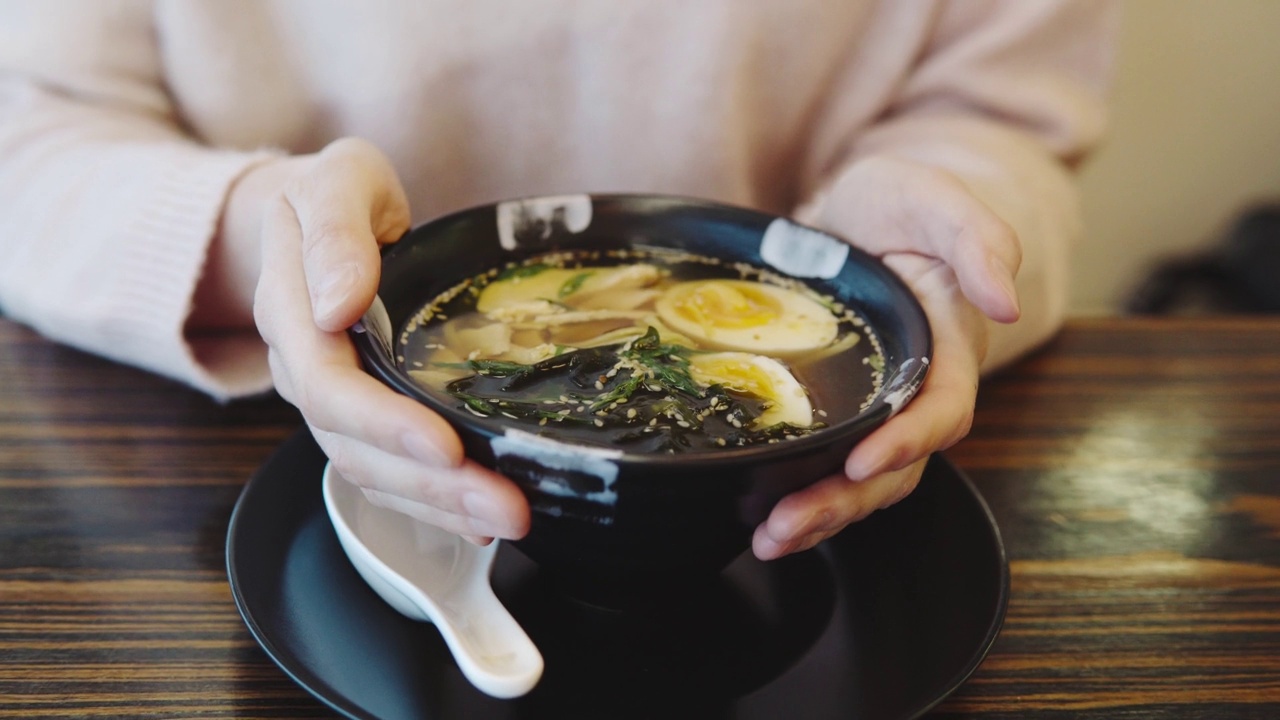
x,y
522,271
492,368
620,393
478,404
572,285
668,363
647,342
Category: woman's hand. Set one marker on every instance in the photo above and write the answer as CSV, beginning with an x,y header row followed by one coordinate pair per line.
x,y
322,219
960,260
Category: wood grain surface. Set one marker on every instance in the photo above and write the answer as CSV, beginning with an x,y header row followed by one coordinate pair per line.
x,y
1133,467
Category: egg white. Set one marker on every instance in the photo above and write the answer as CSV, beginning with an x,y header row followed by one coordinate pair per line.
x,y
757,375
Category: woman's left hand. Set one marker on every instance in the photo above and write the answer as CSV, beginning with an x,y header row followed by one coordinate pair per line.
x,y
960,260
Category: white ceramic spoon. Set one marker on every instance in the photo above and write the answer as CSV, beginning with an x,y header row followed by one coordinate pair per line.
x,y
428,574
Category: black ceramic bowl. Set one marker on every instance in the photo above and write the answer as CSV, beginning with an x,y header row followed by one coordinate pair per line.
x,y
608,515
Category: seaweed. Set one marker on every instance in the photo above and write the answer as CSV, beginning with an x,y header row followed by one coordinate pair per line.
x,y
638,393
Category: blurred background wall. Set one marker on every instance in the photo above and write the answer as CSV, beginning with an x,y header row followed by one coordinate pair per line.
x,y
1195,139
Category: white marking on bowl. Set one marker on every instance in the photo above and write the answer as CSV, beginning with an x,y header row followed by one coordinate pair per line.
x,y
802,252
903,389
516,217
555,456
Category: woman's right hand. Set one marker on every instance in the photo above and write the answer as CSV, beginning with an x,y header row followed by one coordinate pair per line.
x,y
321,220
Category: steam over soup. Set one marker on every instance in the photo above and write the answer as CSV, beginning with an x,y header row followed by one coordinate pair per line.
x,y
648,351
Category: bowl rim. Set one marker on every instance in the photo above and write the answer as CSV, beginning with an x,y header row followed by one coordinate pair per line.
x,y
382,365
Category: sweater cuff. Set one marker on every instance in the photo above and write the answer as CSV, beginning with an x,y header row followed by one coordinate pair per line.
x,y
162,256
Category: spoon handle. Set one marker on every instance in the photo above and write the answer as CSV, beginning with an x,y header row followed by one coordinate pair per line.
x,y
490,647
428,574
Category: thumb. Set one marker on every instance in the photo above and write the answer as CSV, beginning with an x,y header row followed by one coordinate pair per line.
x,y
887,205
348,203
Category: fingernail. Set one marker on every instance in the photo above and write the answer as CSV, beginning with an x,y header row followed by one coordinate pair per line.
x,y
1007,286
766,548
334,289
859,468
423,450
487,518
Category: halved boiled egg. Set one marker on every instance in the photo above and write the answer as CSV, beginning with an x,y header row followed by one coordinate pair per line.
x,y
757,375
747,315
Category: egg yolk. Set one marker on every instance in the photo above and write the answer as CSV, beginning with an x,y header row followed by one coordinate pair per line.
x,y
737,375
728,306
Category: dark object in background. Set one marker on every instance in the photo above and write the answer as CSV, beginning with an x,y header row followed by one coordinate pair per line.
x,y
1241,275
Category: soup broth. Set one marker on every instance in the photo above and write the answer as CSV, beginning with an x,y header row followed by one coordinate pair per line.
x,y
650,351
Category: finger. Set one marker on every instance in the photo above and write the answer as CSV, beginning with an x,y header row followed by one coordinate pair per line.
x,y
355,404
319,372
985,274
899,206
805,518
942,411
473,529
982,250
350,202
466,500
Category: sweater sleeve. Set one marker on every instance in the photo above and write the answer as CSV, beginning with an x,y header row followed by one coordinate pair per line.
x,y
107,208
1007,95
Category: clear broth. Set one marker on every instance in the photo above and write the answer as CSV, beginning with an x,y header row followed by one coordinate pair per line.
x,y
839,384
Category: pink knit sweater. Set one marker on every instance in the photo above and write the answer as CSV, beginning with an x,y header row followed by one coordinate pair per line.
x,y
124,122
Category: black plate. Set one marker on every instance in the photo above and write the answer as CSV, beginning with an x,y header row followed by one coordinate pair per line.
x,y
881,622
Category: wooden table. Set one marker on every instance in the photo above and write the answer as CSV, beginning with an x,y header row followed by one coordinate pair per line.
x,y
1133,466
